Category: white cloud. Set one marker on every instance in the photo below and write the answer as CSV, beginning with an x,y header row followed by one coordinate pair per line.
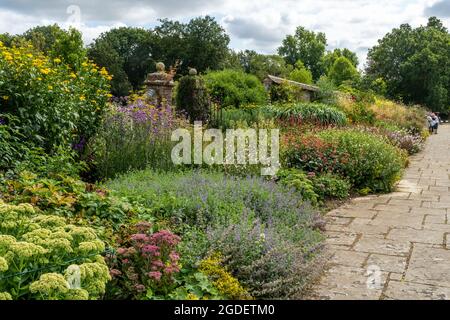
x,y
259,25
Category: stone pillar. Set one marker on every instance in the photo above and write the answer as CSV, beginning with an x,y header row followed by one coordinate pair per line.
x,y
159,86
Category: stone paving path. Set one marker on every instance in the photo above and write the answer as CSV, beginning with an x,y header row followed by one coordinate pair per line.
x,y
395,246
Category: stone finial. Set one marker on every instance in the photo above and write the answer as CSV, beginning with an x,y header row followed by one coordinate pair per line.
x,y
160,67
192,71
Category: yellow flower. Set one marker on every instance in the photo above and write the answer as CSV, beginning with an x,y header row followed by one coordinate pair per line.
x,y
84,64
6,98
29,55
45,71
103,72
109,78
57,60
82,98
73,75
1,44
50,87
39,79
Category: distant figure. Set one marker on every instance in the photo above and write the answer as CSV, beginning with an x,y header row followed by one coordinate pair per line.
x,y
433,122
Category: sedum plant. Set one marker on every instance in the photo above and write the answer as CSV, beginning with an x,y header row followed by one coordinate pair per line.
x,y
39,252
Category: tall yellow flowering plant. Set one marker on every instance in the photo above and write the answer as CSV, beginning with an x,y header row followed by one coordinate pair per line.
x,y
55,104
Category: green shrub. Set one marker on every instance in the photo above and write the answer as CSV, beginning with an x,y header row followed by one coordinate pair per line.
x,y
12,143
328,186
54,104
38,252
193,98
71,198
371,162
308,112
297,179
232,88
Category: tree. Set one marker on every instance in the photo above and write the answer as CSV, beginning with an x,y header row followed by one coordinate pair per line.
x,y
415,64
206,44
306,46
55,42
201,44
261,65
127,55
343,70
331,56
301,74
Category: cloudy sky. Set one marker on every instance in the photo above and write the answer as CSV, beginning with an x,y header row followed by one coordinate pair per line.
x,y
260,24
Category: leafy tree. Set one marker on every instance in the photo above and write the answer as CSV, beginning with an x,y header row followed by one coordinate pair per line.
x,y
201,44
7,39
331,56
56,43
301,74
343,70
306,46
261,65
126,53
206,44
415,64
235,88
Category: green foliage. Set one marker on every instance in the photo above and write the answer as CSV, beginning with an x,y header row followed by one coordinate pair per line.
x,y
202,43
414,64
331,56
193,98
306,46
328,91
231,88
55,105
343,70
332,186
12,145
195,286
262,65
57,43
366,160
301,74
33,244
125,53
308,112
371,162
298,180
69,197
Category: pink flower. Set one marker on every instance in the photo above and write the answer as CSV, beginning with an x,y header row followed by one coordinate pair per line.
x,y
171,269
139,237
156,275
139,287
154,250
174,256
158,263
115,273
122,251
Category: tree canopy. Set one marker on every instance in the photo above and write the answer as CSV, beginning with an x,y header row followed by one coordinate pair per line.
x,y
307,46
415,64
342,70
